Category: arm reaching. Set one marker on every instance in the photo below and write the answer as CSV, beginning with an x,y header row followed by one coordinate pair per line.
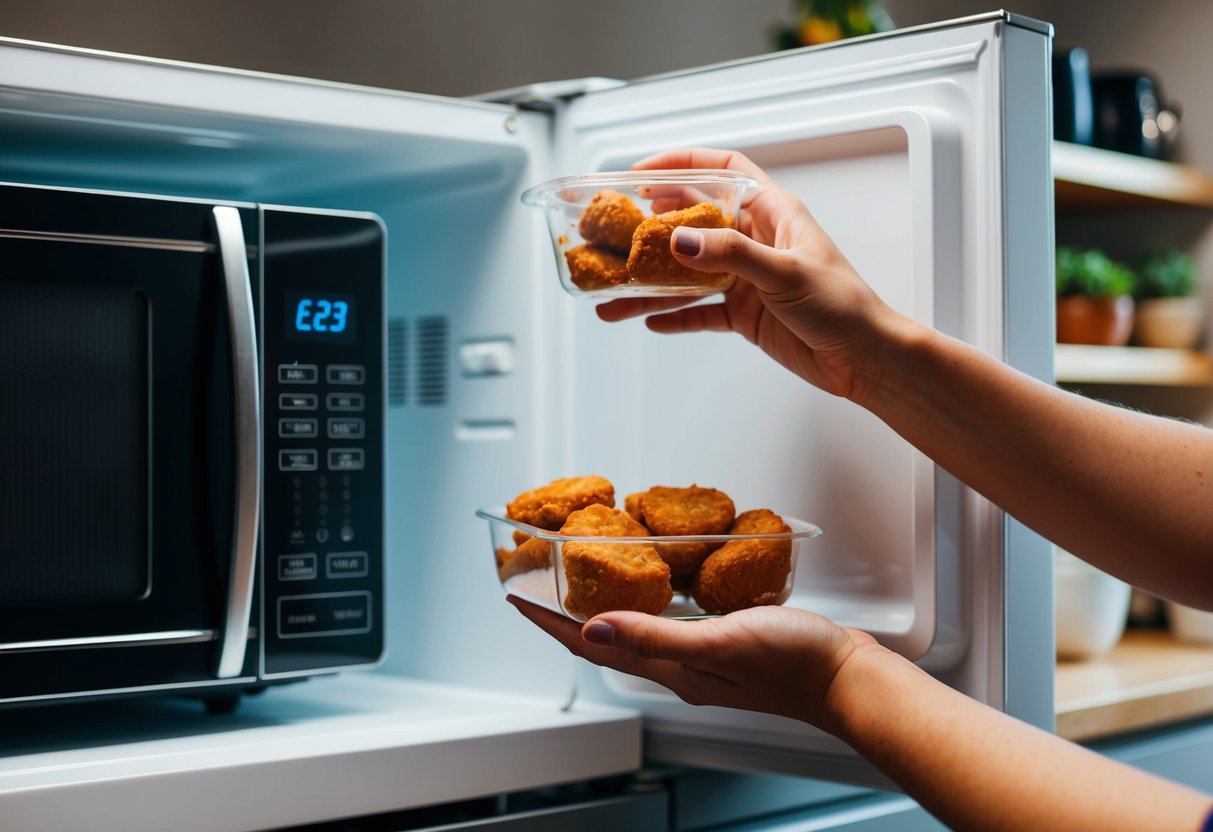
x,y
969,765
1131,493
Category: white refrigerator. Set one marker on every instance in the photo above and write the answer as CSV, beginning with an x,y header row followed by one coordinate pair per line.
x,y
924,153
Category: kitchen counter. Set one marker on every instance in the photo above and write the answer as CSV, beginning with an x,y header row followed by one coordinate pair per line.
x,y
1149,679
349,745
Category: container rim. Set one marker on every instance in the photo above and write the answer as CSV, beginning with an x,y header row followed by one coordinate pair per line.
x,y
801,529
713,176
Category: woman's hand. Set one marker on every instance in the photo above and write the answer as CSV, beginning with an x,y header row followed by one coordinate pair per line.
x,y
776,660
798,298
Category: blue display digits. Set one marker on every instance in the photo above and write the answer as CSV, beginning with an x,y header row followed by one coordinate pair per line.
x,y
321,315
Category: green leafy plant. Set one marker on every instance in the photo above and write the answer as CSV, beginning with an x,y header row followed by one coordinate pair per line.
x,y
1167,274
1091,273
822,21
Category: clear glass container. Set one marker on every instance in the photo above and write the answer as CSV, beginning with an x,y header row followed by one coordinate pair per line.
x,y
611,231
580,577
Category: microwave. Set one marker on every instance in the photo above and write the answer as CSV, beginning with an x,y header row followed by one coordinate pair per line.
x,y
192,434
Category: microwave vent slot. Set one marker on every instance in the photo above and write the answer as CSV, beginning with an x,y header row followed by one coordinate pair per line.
x,y
397,358
433,361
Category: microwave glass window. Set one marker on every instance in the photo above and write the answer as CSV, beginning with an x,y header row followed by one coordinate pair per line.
x,y
321,317
73,443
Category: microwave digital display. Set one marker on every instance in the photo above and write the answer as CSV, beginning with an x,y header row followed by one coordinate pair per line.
x,y
321,316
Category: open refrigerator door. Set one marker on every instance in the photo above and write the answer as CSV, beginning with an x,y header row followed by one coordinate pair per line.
x,y
925,156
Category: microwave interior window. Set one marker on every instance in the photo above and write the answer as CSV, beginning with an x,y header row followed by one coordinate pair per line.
x,y
73,443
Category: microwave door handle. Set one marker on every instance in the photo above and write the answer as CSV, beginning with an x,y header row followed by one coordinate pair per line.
x,y
246,388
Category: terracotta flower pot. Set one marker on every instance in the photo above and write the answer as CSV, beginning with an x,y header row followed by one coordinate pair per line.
x,y
1104,321
1169,322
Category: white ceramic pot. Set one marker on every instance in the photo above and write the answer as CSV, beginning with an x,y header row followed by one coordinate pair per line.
x,y
1091,607
1169,322
1189,625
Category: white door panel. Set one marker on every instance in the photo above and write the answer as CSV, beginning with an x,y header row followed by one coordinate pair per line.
x,y
898,146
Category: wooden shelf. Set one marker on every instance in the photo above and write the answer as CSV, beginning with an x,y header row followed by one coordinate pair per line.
x,y
1148,679
1089,178
1077,364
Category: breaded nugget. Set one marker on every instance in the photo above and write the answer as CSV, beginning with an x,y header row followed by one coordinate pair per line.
x,y
611,576
746,573
596,268
601,520
691,510
550,505
609,220
682,558
535,553
631,504
650,260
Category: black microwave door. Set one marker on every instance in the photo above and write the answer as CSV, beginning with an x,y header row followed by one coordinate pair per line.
x,y
116,459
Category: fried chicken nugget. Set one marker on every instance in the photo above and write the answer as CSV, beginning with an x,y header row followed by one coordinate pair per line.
x,y
746,573
631,504
592,268
534,553
550,505
693,510
612,576
682,558
650,260
609,220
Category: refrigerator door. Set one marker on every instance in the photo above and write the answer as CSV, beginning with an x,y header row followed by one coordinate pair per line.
x,y
925,155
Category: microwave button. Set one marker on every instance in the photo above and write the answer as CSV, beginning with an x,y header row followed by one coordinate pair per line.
x,y
298,401
349,402
346,459
345,565
349,428
297,428
297,567
324,614
298,460
298,373
346,374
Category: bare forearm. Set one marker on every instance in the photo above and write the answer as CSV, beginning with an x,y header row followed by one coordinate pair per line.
x,y
1128,492
975,768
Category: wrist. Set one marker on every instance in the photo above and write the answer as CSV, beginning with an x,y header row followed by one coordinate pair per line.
x,y
894,343
859,688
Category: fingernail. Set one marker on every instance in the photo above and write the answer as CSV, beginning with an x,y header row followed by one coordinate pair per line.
x,y
687,241
599,632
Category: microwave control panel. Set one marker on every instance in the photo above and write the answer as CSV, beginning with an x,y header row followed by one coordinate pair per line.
x,y
323,409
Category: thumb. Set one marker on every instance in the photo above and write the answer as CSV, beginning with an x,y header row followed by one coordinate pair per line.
x,y
647,636
728,250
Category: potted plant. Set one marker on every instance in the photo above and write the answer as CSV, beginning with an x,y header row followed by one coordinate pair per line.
x,y
1169,311
822,21
1094,298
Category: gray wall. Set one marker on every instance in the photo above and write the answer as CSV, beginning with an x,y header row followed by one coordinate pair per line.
x,y
461,47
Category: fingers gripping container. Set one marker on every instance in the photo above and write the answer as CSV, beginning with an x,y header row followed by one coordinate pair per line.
x,y
580,577
611,231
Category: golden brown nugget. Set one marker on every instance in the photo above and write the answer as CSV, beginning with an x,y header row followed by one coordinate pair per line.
x,y
609,220
650,260
746,573
612,576
596,268
535,553
683,559
549,506
691,510
631,504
